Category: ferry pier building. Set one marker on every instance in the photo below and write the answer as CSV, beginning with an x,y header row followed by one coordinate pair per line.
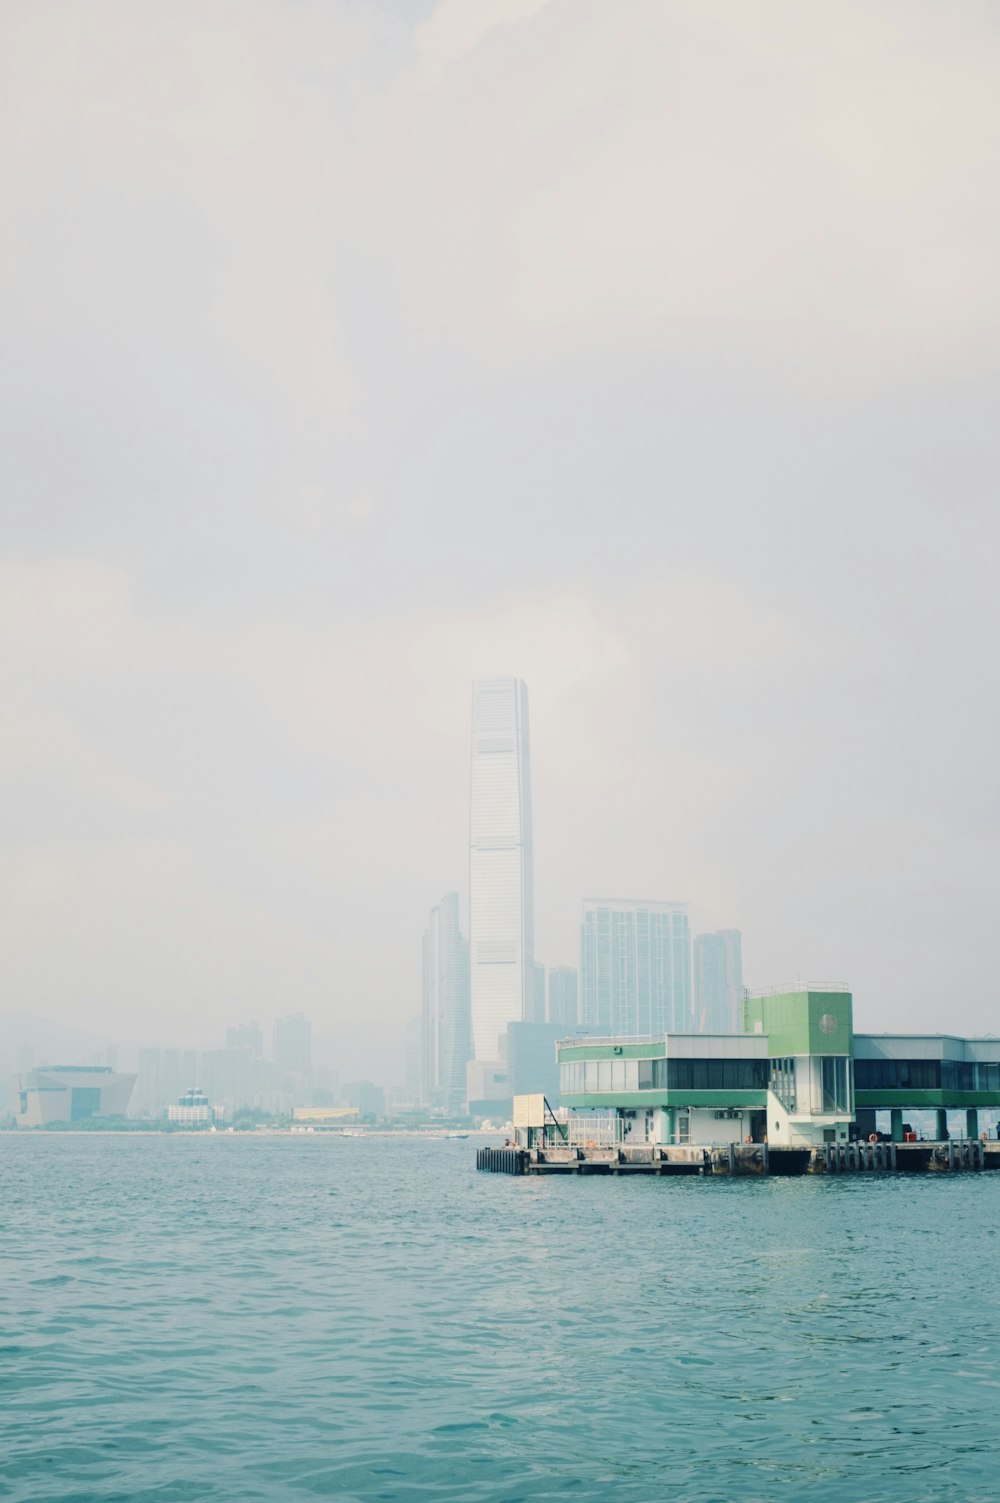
x,y
796,1076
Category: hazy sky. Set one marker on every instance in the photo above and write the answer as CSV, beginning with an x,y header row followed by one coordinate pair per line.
x,y
644,349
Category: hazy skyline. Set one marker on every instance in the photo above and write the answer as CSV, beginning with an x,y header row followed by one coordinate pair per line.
x,y
352,353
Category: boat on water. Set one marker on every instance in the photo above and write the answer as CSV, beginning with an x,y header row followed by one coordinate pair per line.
x,y
462,1135
352,1132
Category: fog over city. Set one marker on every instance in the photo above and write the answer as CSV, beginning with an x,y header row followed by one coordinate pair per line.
x,y
643,352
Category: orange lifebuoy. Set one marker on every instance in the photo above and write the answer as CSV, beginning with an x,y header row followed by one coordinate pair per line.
x,y
873,1137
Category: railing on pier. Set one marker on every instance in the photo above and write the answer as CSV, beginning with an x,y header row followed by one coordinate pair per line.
x,y
502,1160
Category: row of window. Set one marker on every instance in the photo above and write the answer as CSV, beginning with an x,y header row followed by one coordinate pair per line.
x,y
835,1081
925,1075
579,1076
783,1082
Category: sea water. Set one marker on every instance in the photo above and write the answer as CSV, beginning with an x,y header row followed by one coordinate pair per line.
x,y
263,1317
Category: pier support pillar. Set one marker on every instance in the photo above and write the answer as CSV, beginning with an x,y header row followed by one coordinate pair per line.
x,y
971,1123
896,1124
942,1125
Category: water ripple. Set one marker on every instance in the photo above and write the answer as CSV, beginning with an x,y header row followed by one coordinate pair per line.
x,y
229,1320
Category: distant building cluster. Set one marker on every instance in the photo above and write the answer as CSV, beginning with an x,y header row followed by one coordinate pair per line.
x,y
491,1012
238,1077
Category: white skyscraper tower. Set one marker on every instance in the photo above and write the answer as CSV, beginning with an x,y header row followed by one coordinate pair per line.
x,y
501,898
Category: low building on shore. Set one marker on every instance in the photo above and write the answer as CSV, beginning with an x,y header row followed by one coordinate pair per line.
x,y
194,1109
325,1116
72,1094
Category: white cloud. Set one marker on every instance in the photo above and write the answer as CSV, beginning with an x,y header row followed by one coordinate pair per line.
x,y
800,185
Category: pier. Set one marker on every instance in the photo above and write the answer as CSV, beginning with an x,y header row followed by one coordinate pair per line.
x,y
746,1159
793,1091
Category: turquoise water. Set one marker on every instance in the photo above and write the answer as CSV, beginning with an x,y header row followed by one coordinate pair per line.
x,y
294,1318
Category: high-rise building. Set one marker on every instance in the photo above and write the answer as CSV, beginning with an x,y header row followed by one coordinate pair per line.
x,y
635,967
563,994
246,1036
718,981
164,1074
291,1049
531,1060
501,898
292,1044
445,1018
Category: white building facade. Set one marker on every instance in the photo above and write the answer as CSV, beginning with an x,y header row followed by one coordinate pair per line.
x,y
501,894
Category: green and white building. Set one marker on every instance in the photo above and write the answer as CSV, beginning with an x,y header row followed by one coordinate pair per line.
x,y
796,1075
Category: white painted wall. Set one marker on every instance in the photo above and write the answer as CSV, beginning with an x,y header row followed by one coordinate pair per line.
x,y
801,1131
709,1131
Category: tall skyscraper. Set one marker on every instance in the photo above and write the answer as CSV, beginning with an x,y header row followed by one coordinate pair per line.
x,y
445,1018
718,981
501,898
635,967
563,994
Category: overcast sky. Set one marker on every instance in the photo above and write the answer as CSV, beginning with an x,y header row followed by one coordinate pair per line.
x,y
644,349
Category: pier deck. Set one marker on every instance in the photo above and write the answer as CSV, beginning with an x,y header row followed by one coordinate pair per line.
x,y
746,1159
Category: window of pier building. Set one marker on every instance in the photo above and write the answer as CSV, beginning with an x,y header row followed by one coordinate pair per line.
x,y
782,1082
835,1080
925,1075
580,1077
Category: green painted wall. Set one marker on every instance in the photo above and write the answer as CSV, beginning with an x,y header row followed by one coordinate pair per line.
x,y
803,1022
